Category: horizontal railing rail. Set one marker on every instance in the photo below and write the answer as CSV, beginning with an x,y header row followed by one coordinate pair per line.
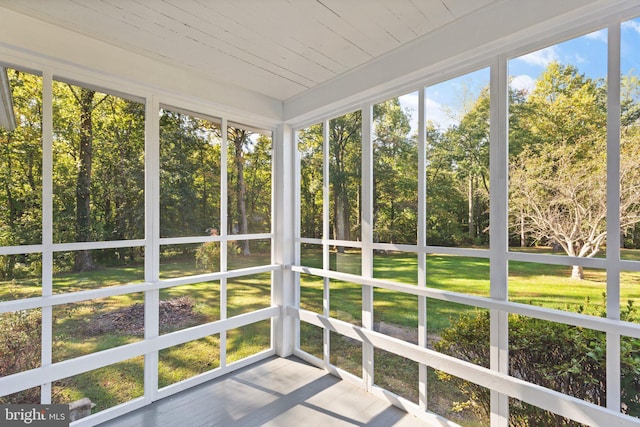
x,y
559,403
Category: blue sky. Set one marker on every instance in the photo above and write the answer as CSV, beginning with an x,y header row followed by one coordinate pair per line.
x,y
445,102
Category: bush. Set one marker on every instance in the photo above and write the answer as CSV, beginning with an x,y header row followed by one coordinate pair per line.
x,y
208,256
20,350
560,357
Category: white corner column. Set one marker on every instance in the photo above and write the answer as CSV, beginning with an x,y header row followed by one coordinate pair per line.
x,y
499,239
283,283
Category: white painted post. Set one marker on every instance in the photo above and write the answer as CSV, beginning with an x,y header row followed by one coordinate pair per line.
x,y
613,218
367,240
47,227
326,261
224,227
422,240
296,220
499,243
152,246
283,230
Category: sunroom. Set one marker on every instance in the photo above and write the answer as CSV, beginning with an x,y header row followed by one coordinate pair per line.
x,y
407,212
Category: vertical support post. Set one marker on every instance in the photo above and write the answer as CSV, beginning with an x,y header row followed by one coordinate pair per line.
x,y
283,230
47,227
326,261
224,228
499,243
613,217
422,240
367,240
152,245
296,235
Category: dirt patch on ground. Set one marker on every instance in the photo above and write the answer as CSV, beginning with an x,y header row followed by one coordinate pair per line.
x,y
174,314
404,333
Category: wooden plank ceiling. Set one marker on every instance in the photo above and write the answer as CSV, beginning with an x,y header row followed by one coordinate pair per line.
x,y
278,48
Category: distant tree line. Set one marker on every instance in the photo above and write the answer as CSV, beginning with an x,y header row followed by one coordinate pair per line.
x,y
557,170
98,175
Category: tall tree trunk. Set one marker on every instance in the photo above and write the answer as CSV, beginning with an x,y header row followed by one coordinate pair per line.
x,y
241,189
471,209
577,272
83,259
341,216
523,238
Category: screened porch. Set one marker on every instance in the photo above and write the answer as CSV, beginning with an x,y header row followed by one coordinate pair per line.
x,y
321,212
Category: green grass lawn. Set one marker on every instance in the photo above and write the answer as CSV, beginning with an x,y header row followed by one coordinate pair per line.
x,y
543,285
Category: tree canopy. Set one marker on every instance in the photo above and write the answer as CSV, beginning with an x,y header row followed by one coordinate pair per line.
x,y
557,169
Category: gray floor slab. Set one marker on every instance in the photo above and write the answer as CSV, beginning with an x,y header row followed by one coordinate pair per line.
x,y
274,392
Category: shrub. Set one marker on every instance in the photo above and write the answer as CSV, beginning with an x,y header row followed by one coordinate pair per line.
x,y
208,256
560,357
20,350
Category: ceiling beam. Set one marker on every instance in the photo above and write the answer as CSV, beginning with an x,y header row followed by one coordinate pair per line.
x,y
7,116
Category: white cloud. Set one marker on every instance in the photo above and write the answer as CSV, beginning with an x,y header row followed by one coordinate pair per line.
x,y
600,35
541,57
523,82
439,115
579,59
632,25
410,102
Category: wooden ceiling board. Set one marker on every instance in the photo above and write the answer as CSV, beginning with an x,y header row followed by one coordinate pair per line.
x,y
433,11
361,31
279,48
462,7
318,28
376,21
411,15
255,51
258,43
289,34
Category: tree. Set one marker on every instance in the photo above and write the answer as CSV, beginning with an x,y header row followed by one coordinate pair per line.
x,y
446,204
85,99
118,165
238,141
345,139
98,173
469,142
189,175
564,198
558,179
257,172
21,171
311,181
395,172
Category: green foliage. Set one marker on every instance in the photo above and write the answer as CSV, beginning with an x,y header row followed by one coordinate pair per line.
x,y
21,166
469,146
208,256
345,164
561,357
189,175
395,171
311,181
20,350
